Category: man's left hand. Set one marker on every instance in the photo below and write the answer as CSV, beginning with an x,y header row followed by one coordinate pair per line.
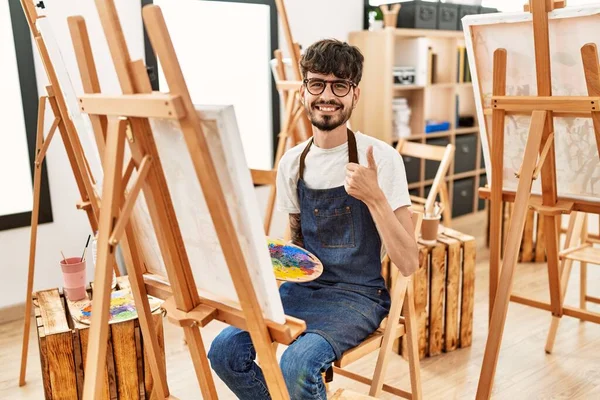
x,y
361,181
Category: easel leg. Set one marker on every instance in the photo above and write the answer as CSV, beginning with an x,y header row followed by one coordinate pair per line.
x,y
138,289
200,360
98,334
411,343
37,176
511,253
583,286
573,236
496,149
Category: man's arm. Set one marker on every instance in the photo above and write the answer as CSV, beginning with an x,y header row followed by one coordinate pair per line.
x,y
395,227
397,233
296,230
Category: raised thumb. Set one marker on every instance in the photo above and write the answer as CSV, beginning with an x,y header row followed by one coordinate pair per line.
x,y
370,159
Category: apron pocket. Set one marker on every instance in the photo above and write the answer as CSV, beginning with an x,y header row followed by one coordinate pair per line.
x,y
335,227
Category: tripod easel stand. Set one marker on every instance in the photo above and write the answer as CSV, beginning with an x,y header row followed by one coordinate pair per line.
x,y
539,157
184,304
79,166
296,126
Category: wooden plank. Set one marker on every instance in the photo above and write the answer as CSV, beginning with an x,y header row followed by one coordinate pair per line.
x,y
43,359
528,104
125,358
421,287
53,312
139,359
468,285
83,339
527,242
499,89
61,364
468,294
78,362
155,105
148,380
453,271
540,240
437,295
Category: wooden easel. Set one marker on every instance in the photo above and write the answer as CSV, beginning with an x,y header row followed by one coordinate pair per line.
x,y
79,166
184,305
540,142
296,126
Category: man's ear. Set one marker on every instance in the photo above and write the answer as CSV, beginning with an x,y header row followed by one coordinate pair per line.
x,y
356,96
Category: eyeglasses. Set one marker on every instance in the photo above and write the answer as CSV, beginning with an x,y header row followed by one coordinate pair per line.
x,y
317,86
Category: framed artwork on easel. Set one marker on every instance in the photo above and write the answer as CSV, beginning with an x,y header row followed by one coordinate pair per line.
x,y
17,142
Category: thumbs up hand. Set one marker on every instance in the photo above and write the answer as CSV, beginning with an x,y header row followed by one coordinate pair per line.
x,y
361,182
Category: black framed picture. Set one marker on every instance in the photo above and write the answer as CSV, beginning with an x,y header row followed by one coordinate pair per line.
x,y
223,67
19,120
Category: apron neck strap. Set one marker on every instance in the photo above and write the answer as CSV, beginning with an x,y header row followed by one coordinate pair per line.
x,y
352,152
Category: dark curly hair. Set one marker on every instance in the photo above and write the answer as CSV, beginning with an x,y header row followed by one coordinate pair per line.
x,y
331,56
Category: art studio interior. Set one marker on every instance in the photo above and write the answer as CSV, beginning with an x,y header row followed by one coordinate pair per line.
x,y
299,199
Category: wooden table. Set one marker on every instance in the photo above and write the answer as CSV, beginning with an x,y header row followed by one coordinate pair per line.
x,y
63,343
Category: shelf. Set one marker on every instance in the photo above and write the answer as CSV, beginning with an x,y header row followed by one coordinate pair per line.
x,y
441,85
442,100
462,131
400,87
407,32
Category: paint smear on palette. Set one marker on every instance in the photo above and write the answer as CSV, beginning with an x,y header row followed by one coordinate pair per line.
x,y
293,263
122,307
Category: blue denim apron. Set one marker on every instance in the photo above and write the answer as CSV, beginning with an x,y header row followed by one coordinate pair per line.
x,y
349,300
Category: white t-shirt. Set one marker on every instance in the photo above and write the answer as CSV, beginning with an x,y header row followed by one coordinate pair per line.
x,y
326,168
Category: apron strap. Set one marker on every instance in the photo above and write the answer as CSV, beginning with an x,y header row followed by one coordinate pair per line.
x,y
352,152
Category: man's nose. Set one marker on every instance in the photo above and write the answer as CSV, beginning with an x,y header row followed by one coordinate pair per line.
x,y
328,92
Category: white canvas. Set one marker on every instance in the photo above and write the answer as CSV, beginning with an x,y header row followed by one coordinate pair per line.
x,y
202,245
577,161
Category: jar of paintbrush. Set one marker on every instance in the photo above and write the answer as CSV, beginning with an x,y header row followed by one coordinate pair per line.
x,y
74,275
431,224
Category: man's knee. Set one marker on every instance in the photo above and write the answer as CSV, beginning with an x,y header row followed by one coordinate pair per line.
x,y
302,364
231,350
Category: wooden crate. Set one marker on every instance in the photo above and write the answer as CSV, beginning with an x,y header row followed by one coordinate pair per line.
x,y
63,343
444,288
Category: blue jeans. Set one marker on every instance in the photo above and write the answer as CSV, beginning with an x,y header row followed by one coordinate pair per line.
x,y
232,356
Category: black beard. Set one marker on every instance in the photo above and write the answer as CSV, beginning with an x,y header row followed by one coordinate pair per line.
x,y
328,123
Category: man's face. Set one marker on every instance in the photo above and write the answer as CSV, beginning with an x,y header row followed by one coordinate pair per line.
x,y
333,106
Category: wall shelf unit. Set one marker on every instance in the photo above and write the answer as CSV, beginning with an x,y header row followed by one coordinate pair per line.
x,y
439,92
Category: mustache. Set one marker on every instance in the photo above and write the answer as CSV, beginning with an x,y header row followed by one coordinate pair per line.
x,y
327,103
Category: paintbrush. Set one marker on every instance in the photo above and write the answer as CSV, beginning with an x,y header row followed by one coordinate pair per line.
x,y
86,246
440,208
64,258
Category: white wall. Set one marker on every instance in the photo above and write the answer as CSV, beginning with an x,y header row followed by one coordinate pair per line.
x,y
312,20
70,228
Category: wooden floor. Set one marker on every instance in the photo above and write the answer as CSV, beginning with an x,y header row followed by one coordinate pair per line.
x,y
524,371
